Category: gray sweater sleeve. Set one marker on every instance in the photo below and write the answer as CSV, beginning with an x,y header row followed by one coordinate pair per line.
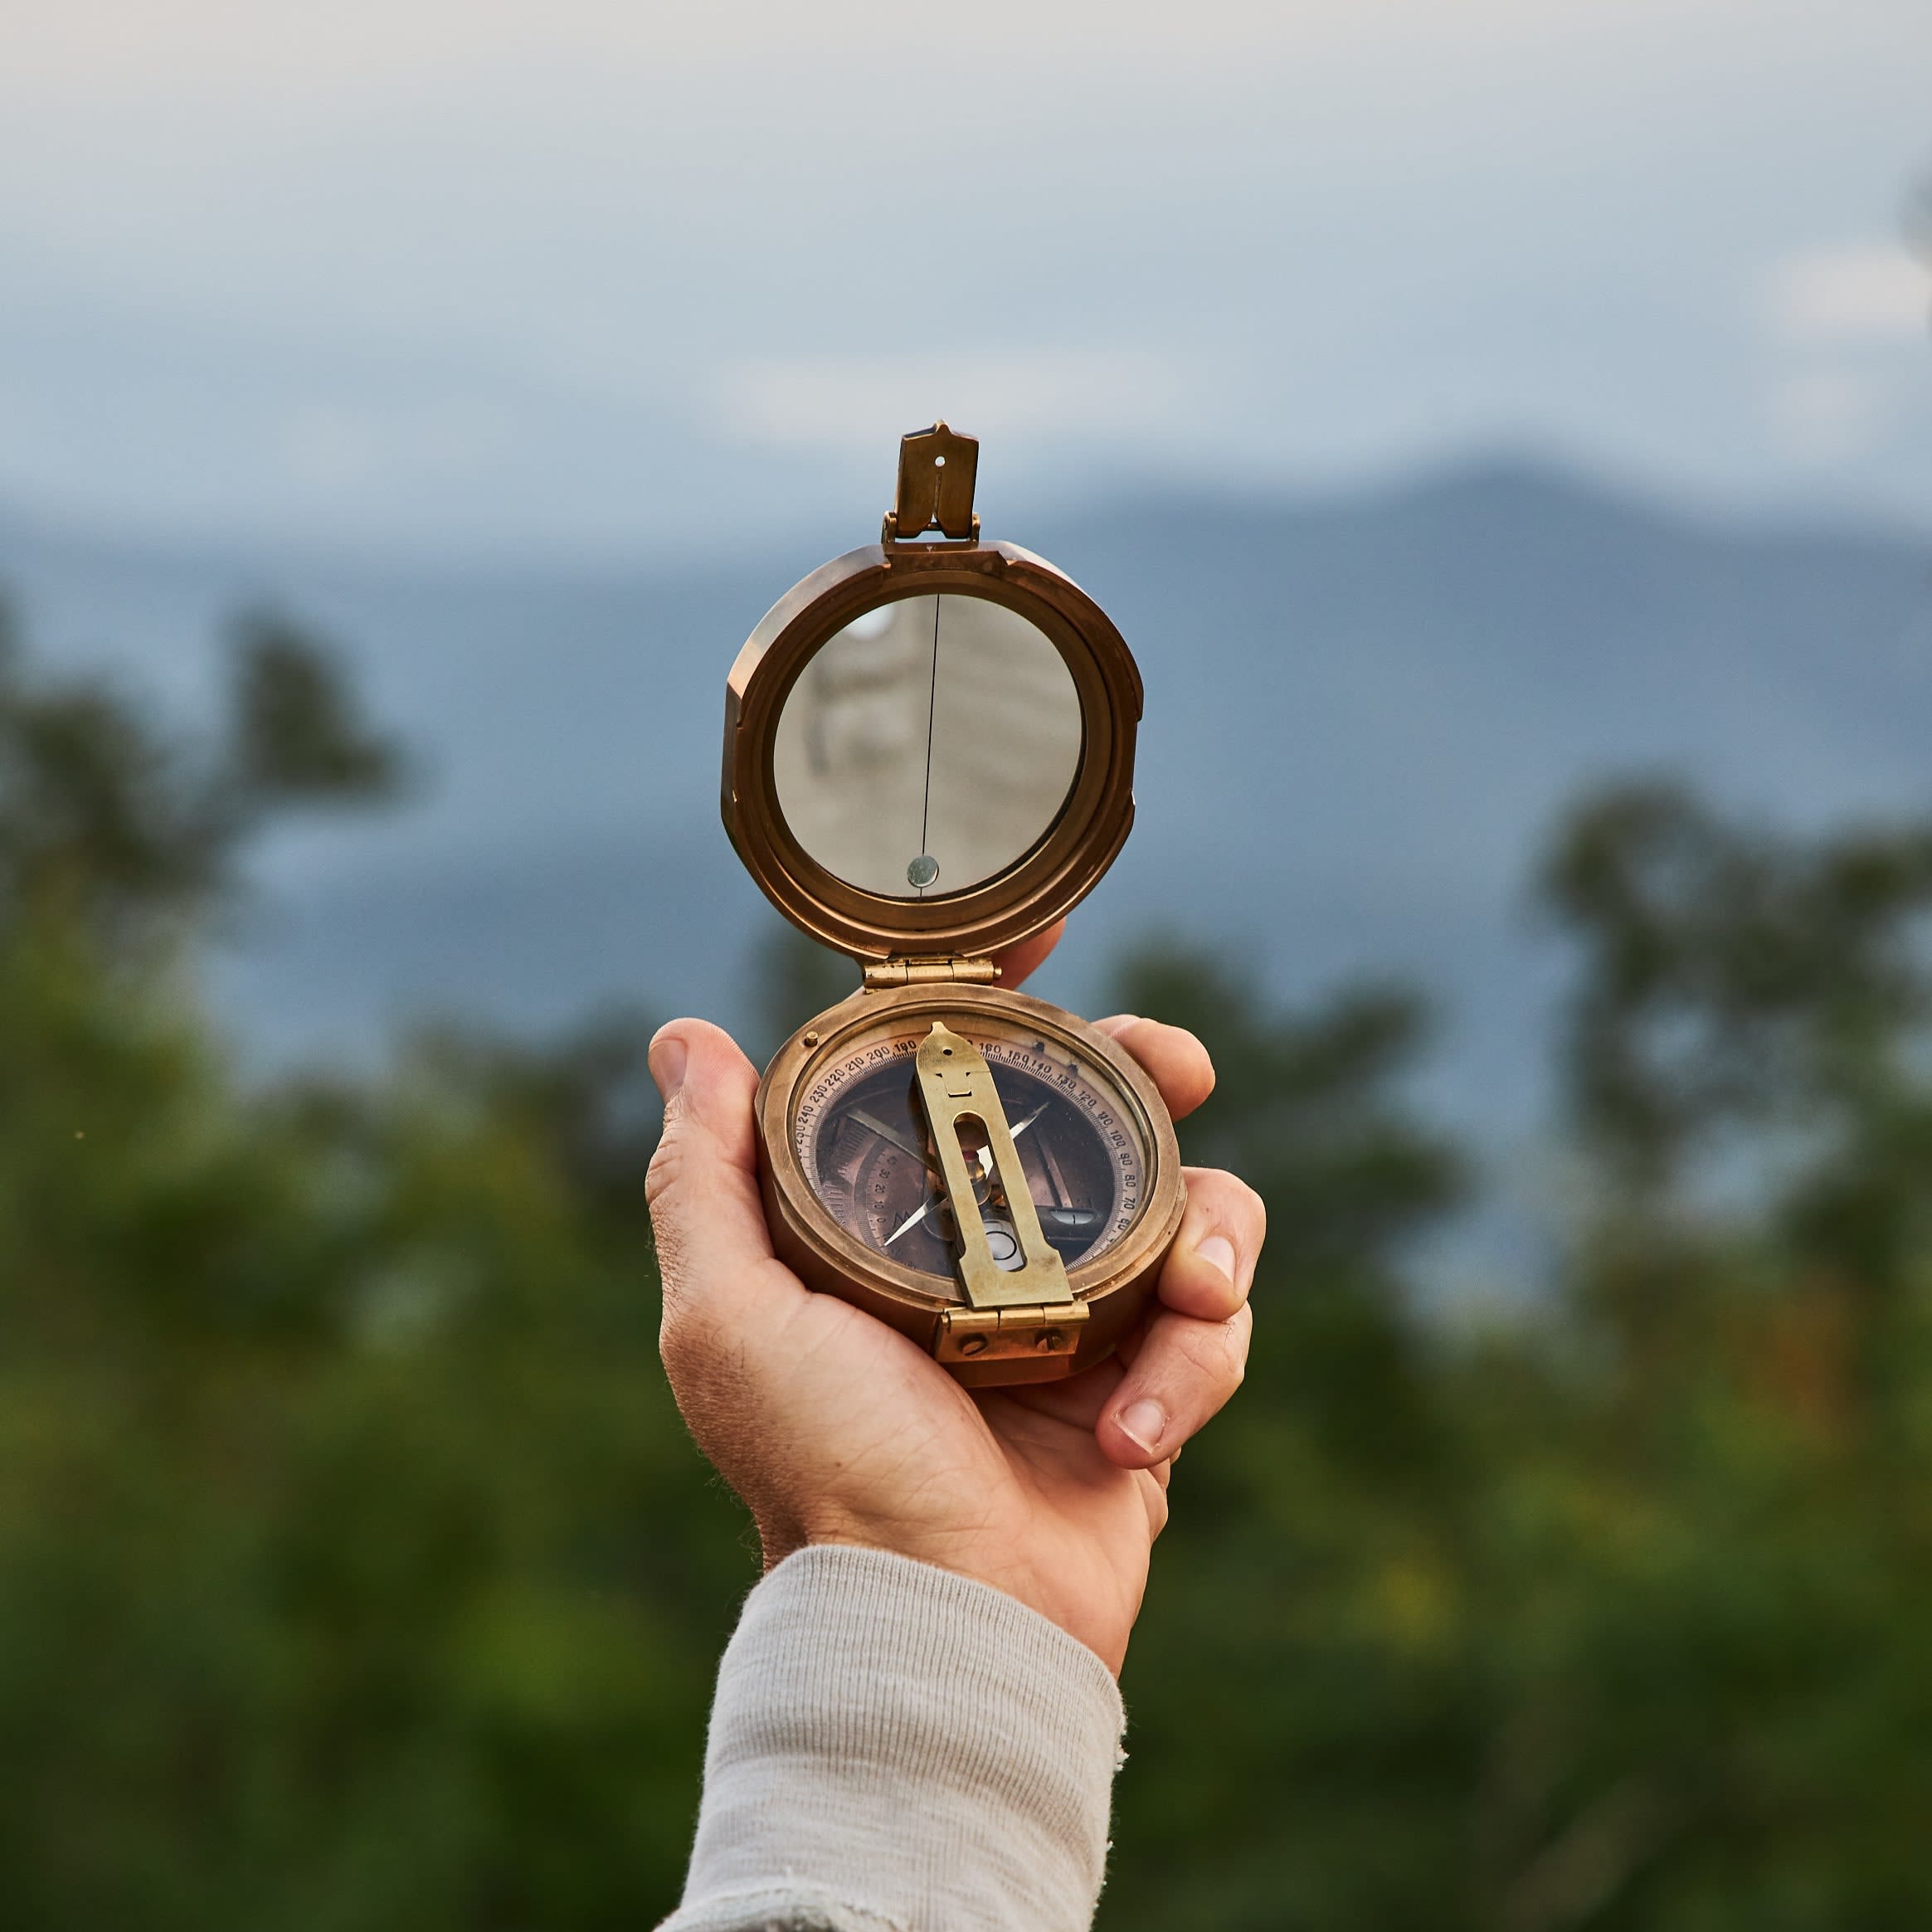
x,y
896,1748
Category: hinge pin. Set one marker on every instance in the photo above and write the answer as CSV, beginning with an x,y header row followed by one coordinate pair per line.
x,y
936,969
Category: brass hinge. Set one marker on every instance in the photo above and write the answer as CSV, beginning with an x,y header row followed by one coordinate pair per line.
x,y
991,1335
933,970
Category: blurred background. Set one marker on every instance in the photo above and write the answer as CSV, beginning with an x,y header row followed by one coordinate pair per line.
x,y
1503,431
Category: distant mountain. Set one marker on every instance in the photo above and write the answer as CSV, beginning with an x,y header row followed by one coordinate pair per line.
x,y
1362,714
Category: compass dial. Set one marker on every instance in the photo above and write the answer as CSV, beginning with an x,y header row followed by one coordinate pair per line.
x,y
861,1137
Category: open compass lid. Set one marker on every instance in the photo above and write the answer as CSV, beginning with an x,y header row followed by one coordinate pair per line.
x,y
929,742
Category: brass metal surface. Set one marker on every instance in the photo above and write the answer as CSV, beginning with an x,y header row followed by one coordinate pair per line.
x,y
946,970
956,1088
1113,1289
937,470
928,961
988,1338
1073,851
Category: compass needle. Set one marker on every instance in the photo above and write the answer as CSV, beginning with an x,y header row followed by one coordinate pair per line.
x,y
904,1142
910,1223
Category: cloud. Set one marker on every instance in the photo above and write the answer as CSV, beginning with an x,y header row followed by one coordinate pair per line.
x,y
334,448
1870,292
816,401
1829,415
198,47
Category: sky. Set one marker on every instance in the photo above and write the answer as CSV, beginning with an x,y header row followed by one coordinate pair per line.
x,y
593,281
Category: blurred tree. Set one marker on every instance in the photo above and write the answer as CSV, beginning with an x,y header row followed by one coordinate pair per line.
x,y
1609,1615
355,1570
1300,1725
107,823
1734,979
1709,1560
296,734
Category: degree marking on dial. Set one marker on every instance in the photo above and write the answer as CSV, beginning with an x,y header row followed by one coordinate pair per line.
x,y
1063,1074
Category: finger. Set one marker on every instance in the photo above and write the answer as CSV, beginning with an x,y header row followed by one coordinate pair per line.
x,y
1078,1401
1017,961
714,1251
1154,1495
1185,1368
1210,1268
1175,1060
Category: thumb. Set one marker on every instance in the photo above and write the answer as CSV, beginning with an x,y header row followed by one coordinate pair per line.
x,y
714,1252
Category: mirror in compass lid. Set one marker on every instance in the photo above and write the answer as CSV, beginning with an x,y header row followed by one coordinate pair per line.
x,y
927,746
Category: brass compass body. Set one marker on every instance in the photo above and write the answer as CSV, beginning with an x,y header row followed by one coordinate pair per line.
x,y
928,757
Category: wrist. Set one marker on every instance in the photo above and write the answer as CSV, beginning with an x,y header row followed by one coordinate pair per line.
x,y
895,1740
1091,1617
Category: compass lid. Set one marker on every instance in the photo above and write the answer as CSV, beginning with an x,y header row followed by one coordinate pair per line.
x,y
929,742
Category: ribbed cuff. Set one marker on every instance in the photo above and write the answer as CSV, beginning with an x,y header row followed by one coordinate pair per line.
x,y
895,1747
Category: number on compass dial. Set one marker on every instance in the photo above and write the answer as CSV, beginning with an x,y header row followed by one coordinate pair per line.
x,y
861,1135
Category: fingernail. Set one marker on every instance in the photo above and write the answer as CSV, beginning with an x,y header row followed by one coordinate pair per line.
x,y
1217,1252
1143,1424
666,1058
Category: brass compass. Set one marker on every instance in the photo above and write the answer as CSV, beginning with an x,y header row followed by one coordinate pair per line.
x,y
928,757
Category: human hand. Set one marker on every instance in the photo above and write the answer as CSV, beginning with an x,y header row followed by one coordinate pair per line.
x,y
835,1429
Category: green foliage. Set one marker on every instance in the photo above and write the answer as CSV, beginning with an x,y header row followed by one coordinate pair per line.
x,y
1610,1615
1305,1109
107,823
356,1572
296,734
1735,977
1299,1723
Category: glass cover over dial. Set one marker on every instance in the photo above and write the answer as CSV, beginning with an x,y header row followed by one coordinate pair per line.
x,y
861,1137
